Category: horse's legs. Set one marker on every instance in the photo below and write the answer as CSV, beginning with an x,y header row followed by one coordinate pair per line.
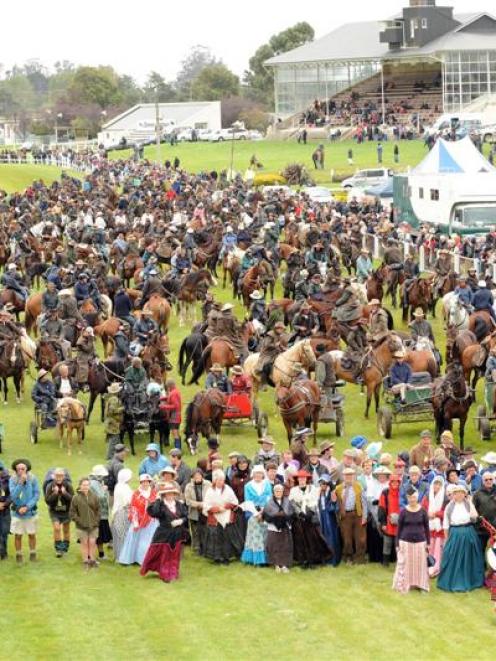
x,y
463,420
17,384
93,396
5,390
377,396
475,378
130,431
102,409
370,390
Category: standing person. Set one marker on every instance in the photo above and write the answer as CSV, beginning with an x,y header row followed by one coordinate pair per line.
x,y
388,513
58,497
122,499
183,471
114,466
142,526
412,540
278,513
328,508
485,503
352,517
379,152
153,463
219,504
85,512
396,153
24,496
4,510
99,487
114,417
172,407
422,453
194,495
462,564
164,553
435,504
258,492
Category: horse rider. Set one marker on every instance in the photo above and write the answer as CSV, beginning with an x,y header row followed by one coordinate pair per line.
x,y
392,255
44,396
85,347
52,330
95,293
332,283
316,259
363,265
82,288
348,308
315,287
13,280
229,327
69,313
258,309
152,285
411,271
207,305
180,262
357,346
49,301
305,323
151,263
214,318
325,374
216,378
464,293
121,345
483,300
52,276
124,306
229,242
442,267
189,243
302,286
420,327
273,344
472,279
143,329
490,373
400,375
9,330
378,321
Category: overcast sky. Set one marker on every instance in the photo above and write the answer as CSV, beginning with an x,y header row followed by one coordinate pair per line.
x,y
137,36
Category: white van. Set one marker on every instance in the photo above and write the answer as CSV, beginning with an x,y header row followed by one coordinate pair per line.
x,y
368,178
469,121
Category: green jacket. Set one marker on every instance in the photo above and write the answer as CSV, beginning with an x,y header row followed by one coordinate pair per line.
x,y
114,414
85,511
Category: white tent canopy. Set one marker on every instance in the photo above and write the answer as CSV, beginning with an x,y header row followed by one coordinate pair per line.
x,y
459,157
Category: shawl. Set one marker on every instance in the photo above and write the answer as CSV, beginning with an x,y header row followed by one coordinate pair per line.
x,y
122,491
216,497
436,502
304,500
138,516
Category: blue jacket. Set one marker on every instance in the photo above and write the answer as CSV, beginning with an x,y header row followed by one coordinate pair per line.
x,y
422,487
123,306
464,294
81,291
483,299
229,241
42,391
153,466
24,495
400,373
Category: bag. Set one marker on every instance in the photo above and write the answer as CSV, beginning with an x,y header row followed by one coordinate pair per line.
x,y
431,560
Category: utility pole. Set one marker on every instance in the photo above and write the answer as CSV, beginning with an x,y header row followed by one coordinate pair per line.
x,y
157,125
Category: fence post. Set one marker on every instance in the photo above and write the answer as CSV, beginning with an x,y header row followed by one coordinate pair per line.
x,y
456,261
406,249
376,247
477,265
422,258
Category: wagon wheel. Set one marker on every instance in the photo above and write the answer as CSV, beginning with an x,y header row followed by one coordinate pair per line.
x,y
385,422
33,432
255,415
481,413
262,424
339,422
485,429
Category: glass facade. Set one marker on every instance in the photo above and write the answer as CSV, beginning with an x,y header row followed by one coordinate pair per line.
x,y
297,86
467,75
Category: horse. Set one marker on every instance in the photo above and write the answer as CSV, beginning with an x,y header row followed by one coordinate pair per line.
x,y
220,350
375,283
260,276
71,415
100,376
286,250
128,266
204,415
46,355
481,323
90,313
160,309
32,311
14,299
419,296
231,263
12,365
191,351
192,288
376,365
451,398
421,358
299,406
106,332
155,353
394,279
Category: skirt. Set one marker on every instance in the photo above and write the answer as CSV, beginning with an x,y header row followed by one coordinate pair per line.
x,y
163,559
222,544
136,544
119,528
436,550
462,564
411,567
104,532
279,548
374,541
254,550
309,546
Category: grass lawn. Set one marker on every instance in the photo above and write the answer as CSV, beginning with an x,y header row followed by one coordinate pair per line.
x,y
16,177
53,608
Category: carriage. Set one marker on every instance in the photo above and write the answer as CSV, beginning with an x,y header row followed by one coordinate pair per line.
x,y
333,411
37,424
239,409
417,407
485,420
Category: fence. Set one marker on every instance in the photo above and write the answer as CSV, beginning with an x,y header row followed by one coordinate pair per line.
x,y
57,160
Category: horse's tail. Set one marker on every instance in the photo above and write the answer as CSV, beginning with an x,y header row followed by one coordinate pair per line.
x,y
29,319
390,322
201,366
190,422
182,355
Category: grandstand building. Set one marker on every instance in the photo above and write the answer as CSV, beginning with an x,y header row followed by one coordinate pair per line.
x,y
445,59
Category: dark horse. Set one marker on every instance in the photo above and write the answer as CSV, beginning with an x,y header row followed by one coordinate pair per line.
x,y
299,406
451,398
419,296
191,351
12,365
204,415
100,376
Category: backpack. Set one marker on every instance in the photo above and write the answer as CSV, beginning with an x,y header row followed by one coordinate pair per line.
x,y
49,478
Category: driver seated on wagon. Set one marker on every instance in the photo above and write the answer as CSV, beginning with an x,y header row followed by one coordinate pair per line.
x,y
44,396
217,379
490,373
240,382
400,376
143,330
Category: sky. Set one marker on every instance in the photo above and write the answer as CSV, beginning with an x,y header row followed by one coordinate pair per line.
x,y
138,36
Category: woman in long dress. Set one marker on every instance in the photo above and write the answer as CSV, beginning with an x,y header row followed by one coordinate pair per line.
x,y
278,514
257,492
221,536
142,525
120,521
375,485
164,553
462,564
412,536
328,508
435,503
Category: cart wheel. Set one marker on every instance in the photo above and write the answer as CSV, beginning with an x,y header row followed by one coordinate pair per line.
x,y
33,432
485,429
481,413
255,416
339,422
385,422
262,425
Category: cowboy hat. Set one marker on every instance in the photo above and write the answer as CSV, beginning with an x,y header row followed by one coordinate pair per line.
x,y
167,488
216,367
266,439
237,369
381,470
99,471
489,458
314,452
325,445
418,312
302,473
374,301
168,469
226,307
114,388
256,295
65,292
482,283
349,471
42,372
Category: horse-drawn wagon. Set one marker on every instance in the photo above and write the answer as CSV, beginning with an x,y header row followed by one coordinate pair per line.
x,y
485,420
239,409
331,409
417,406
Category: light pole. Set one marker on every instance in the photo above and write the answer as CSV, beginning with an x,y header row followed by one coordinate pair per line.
x,y
58,116
157,124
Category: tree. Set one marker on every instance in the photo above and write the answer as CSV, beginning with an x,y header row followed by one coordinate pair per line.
x,y
258,78
197,59
98,85
214,83
155,83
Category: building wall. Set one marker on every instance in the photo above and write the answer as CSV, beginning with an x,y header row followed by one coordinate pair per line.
x,y
468,75
182,114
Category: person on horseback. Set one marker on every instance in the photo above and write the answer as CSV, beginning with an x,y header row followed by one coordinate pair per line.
x,y
49,299
483,300
13,280
332,283
229,327
364,265
207,305
348,308
315,287
151,263
69,314
229,242
464,293
316,259
216,378
442,267
82,288
305,323
271,235
258,309
52,330
85,347
95,295
180,262
44,396
274,343
420,327
52,276
143,329
302,286
472,279
357,346
378,321
392,255
121,345
400,375
412,272
124,306
152,285
189,243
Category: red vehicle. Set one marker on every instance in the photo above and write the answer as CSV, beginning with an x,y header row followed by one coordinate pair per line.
x,y
239,408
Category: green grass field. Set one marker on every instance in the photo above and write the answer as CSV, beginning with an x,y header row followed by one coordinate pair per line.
x,y
53,608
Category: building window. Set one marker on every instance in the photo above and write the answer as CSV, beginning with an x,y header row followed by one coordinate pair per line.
x,y
434,194
421,193
424,24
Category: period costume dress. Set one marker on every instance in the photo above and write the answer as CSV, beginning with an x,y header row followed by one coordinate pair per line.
x,y
120,521
278,514
164,553
310,547
222,540
328,510
257,494
141,530
412,539
462,564
435,504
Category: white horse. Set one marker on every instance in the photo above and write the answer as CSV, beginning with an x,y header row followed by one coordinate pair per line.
x,y
455,313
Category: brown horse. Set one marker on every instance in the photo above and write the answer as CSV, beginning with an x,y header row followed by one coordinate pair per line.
x,y
451,398
260,276
394,279
12,364
106,332
204,415
46,355
422,361
14,299
375,283
89,312
160,309
32,311
481,323
71,416
419,296
192,288
285,251
155,353
299,406
128,266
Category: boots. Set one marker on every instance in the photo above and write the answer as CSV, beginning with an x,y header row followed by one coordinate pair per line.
x,y
59,549
385,560
65,547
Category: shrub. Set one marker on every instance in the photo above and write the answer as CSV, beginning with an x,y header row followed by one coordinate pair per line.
x,y
268,179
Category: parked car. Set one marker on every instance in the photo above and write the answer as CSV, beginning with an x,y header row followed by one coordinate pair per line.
x,y
318,194
367,178
228,134
253,134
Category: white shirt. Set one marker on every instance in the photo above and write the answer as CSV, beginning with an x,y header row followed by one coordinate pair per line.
x,y
460,516
65,387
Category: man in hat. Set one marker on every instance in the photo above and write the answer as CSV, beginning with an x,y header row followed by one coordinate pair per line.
x,y
273,344
69,314
442,268
229,242
364,265
347,461
152,285
143,330
180,263
316,258
315,288
44,396
82,288
305,323
302,286
400,375
24,496
411,272
14,281
124,306
483,300
357,346
348,308
229,327
85,347
314,467
4,510
325,374
49,299
464,293
240,382
420,327
352,517
114,417
393,256
258,310
217,378
267,453
213,319
114,466
183,471
484,501
52,330
422,453
378,321
329,462
472,279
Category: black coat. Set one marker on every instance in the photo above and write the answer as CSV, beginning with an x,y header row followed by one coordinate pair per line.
x,y
165,533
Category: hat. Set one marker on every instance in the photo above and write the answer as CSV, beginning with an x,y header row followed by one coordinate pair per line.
x,y
120,447
482,283
325,478
374,301
358,442
304,273
365,251
233,454
11,267
314,452
114,388
489,458
89,331
399,354
175,452
168,469
144,477
237,369
447,435
459,486
418,312
258,468
167,488
26,462
302,473
374,449
256,295
425,433
153,447
65,292
325,445
99,471
267,439
349,471
349,453
42,372
414,469
226,307
381,470
216,367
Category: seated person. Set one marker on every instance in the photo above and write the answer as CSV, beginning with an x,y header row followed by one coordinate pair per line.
x,y
64,385
217,379
490,373
400,375
135,375
43,395
240,382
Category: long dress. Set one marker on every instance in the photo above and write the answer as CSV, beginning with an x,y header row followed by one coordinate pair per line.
x,y
120,520
141,530
374,488
434,503
329,526
222,540
164,553
256,496
411,566
279,542
310,548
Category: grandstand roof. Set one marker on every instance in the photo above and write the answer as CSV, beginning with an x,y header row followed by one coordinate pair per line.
x,y
360,41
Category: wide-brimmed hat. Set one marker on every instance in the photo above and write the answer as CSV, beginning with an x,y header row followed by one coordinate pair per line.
x,y
419,312
374,301
144,477
168,469
99,470
314,452
325,478
114,388
349,471
482,283
226,307
42,372
168,487
459,486
303,474
267,439
256,295
65,292
237,369
489,458
216,367
326,445
381,470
